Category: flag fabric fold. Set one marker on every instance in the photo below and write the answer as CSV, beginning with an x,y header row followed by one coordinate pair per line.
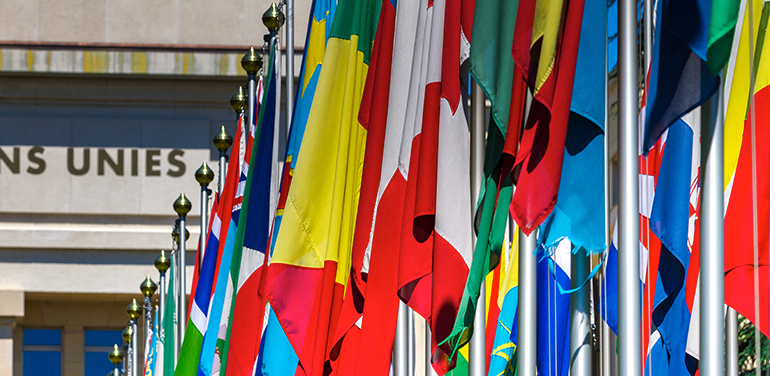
x,y
311,260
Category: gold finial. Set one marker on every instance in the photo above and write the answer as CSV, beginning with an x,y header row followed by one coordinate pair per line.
x,y
162,263
148,287
175,234
182,205
251,62
133,311
116,356
204,175
239,101
128,332
223,140
273,18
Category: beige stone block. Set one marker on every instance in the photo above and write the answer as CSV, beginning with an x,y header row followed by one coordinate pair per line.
x,y
18,20
71,20
11,303
206,22
141,21
6,350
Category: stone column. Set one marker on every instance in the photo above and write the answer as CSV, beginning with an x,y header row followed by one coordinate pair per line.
x,y
11,310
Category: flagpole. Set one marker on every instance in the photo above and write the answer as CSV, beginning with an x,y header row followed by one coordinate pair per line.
x,y
133,311
400,345
580,330
477,364
527,346
162,264
731,340
203,176
289,60
712,294
222,141
116,356
410,352
148,288
127,333
182,206
629,310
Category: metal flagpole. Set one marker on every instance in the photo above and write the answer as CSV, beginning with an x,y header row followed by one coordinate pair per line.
x,y
148,288
162,263
629,310
182,206
477,364
410,341
527,347
400,345
116,356
712,293
289,60
731,342
429,371
127,333
222,141
580,332
204,176
251,63
133,311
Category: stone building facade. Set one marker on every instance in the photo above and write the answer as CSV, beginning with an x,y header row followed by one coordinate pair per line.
x,y
107,108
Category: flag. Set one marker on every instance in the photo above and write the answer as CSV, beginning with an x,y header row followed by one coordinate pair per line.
x,y
553,310
365,332
152,348
692,45
229,207
311,260
199,307
580,208
673,221
502,358
436,236
545,49
276,356
167,344
746,220
245,325
492,66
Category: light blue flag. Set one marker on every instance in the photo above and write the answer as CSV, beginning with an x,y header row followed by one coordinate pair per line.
x,y
579,211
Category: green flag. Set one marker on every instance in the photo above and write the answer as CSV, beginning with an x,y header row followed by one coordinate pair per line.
x,y
724,15
492,67
168,334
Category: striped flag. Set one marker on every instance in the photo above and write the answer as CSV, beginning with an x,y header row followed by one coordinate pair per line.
x,y
311,260
436,236
276,356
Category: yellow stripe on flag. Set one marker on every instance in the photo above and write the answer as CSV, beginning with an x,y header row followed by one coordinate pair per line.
x,y
738,104
319,217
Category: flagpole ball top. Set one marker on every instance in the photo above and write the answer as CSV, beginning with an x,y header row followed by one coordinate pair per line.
x,y
223,140
175,234
162,263
182,205
239,101
148,287
251,62
273,18
204,175
133,310
128,332
116,356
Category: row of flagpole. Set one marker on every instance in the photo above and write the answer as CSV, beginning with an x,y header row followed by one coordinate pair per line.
x,y
712,328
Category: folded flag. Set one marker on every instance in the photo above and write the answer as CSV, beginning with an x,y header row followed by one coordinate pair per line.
x,y
311,260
